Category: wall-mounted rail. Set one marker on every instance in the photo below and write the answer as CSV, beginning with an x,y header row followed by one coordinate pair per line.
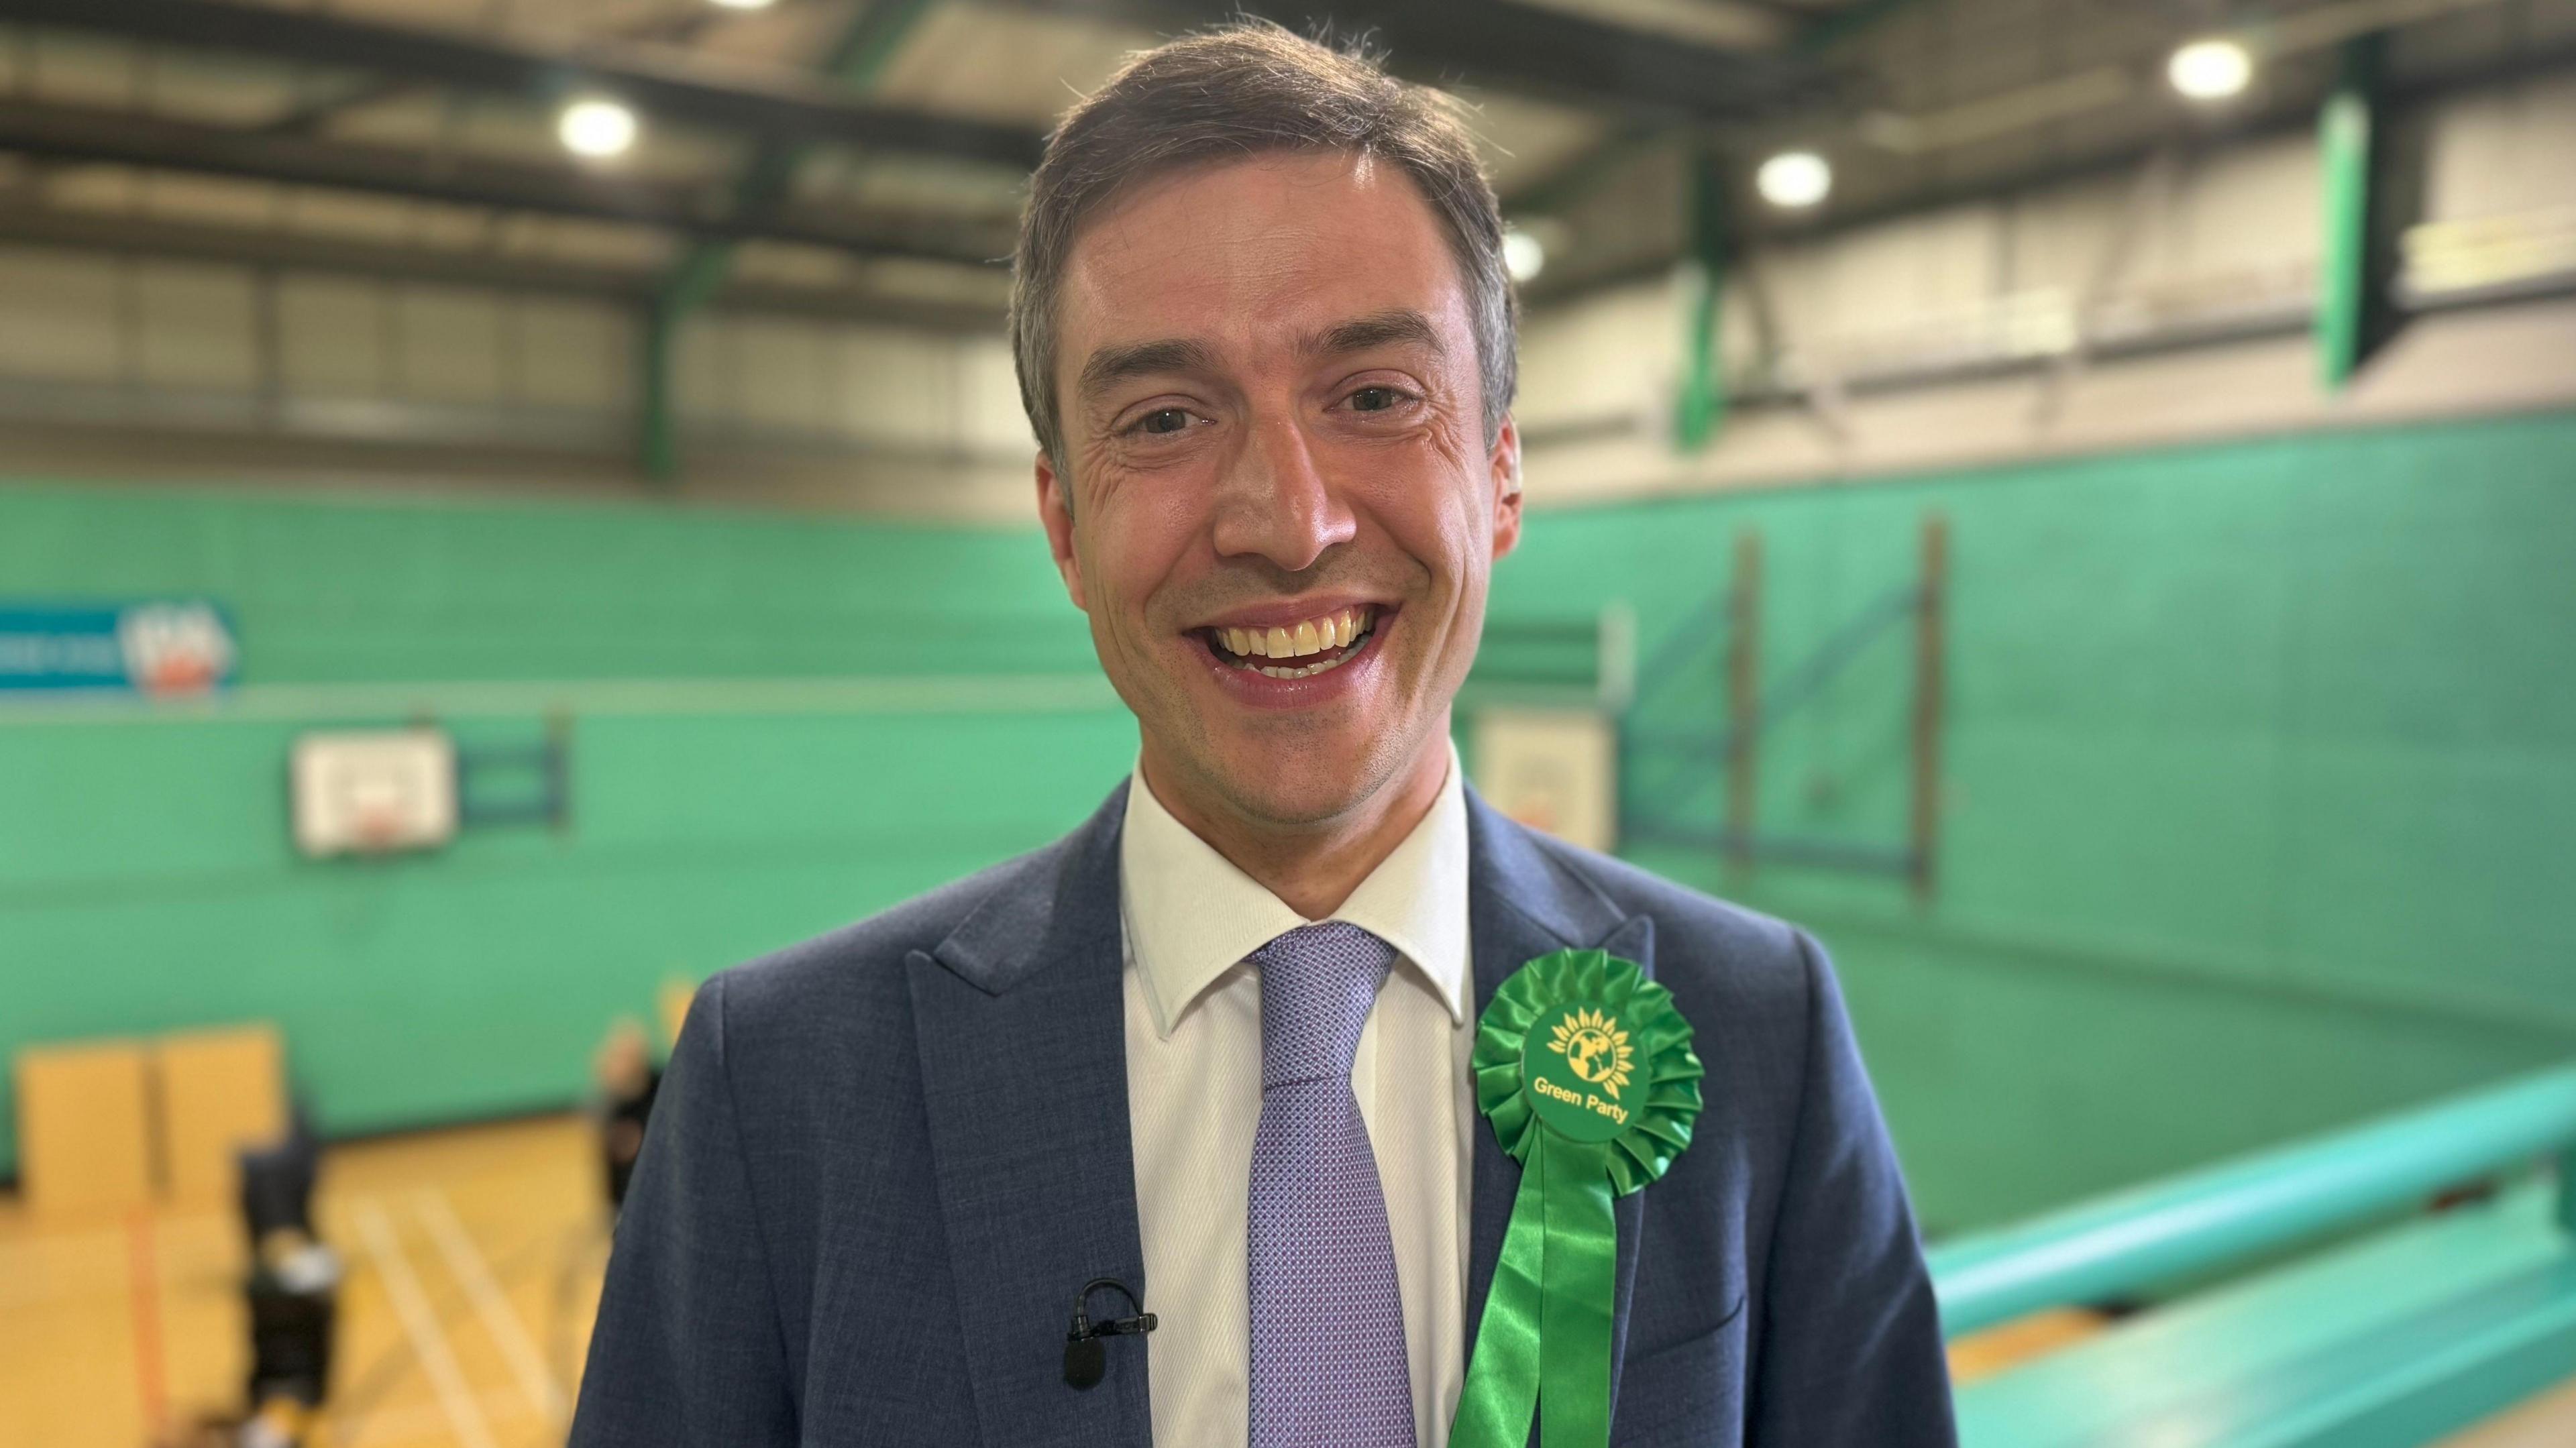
x,y
2240,1210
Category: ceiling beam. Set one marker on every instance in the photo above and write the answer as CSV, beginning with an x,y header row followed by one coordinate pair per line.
x,y
665,83
74,133
2275,115
114,234
312,115
1512,45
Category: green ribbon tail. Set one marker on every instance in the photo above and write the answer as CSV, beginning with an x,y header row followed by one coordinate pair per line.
x,y
1501,1394
1544,1342
1575,1298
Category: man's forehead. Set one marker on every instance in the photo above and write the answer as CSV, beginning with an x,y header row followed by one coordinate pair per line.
x,y
1297,252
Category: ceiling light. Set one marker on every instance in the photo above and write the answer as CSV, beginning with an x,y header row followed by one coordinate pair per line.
x,y
596,128
2210,70
1523,256
1794,179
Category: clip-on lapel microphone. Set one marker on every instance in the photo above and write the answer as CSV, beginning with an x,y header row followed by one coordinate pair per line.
x,y
1085,1360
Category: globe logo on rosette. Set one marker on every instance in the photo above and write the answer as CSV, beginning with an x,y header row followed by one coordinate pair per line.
x,y
1595,1049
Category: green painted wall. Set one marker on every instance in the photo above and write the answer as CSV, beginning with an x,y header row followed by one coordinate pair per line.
x,y
146,875
2260,786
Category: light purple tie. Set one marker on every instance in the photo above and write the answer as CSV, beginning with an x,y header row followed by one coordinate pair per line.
x,y
1328,1367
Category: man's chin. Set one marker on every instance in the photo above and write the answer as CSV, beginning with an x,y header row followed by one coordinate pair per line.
x,y
1304,782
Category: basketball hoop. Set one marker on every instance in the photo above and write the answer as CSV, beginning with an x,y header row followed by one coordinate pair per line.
x,y
374,792
376,829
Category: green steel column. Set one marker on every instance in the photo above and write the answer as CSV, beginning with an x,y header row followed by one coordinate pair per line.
x,y
2347,284
699,273
1701,408
856,59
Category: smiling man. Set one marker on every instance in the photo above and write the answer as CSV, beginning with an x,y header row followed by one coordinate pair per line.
x,y
1209,1057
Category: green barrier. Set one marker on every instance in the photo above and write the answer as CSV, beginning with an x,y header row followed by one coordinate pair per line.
x,y
2231,1213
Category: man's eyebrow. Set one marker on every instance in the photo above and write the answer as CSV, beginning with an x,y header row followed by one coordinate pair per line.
x,y
1136,359
1376,330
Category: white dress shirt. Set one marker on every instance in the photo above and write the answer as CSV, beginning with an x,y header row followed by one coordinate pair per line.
x,y
1194,1102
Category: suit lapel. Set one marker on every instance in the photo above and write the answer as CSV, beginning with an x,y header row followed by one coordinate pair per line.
x,y
1020,1026
1521,905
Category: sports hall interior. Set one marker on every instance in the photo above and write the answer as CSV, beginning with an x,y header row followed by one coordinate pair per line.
x,y
508,509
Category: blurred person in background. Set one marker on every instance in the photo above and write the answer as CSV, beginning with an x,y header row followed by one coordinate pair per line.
x,y
1215,1044
626,1078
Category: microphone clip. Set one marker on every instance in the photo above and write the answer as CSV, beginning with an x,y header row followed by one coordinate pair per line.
x,y
1085,1360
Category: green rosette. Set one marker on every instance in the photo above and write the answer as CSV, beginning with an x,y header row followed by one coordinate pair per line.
x,y
1586,1071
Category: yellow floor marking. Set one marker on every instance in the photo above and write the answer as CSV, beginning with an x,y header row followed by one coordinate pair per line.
x,y
420,1324
473,1273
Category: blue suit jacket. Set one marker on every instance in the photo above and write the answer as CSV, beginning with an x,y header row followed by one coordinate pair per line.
x,y
883,1162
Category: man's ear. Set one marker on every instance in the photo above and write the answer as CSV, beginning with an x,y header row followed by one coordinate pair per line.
x,y
1506,464
1055,510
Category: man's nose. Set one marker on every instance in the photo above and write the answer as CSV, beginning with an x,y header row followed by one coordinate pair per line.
x,y
1275,502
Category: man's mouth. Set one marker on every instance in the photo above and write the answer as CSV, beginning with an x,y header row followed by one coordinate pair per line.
x,y
1296,651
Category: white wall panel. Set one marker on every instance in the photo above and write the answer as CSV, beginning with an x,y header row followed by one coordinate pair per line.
x,y
785,372
333,338
894,386
1617,354
703,380
2250,207
447,344
2060,238
2465,364
58,315
989,414
2503,151
196,326
574,354
1904,272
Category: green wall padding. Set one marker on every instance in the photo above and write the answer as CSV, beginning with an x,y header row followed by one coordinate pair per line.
x,y
2260,780
2259,784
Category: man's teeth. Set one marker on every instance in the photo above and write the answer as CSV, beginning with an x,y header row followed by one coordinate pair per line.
x,y
1307,641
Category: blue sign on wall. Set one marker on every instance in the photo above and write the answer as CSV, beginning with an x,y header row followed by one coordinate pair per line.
x,y
165,648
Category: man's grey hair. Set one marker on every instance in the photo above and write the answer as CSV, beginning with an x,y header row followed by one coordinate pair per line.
x,y
1242,90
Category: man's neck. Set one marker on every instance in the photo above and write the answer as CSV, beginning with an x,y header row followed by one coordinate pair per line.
x,y
1312,868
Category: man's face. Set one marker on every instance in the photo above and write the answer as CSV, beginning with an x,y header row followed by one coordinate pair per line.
x,y
1283,512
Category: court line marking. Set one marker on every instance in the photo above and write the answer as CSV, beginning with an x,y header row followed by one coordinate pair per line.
x,y
474,1274
420,1324
151,1372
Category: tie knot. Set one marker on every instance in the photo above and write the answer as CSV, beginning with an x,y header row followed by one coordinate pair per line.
x,y
1317,984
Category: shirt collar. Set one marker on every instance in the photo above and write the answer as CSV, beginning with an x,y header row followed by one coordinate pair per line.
x,y
1191,916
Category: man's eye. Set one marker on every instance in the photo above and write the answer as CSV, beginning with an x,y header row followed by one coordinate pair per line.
x,y
1163,420
1375,399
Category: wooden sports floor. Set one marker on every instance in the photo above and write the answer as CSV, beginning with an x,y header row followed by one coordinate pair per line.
x,y
473,1260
